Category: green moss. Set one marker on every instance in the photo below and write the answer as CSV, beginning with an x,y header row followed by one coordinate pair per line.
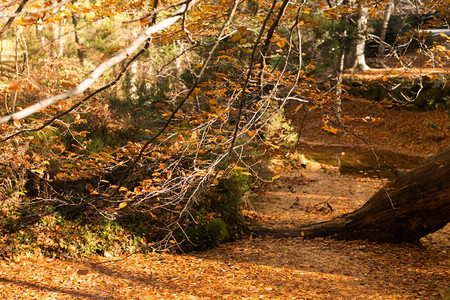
x,y
197,237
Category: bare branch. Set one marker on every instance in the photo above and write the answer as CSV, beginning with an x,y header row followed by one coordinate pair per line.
x,y
182,102
11,19
101,89
95,75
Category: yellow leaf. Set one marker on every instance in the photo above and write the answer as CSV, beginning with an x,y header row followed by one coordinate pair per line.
x,y
275,177
236,37
122,205
38,171
238,168
246,173
243,41
274,146
298,107
312,107
251,133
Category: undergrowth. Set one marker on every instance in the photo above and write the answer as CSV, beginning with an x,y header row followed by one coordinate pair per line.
x,y
55,231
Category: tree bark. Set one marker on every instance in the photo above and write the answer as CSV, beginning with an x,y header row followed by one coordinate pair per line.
x,y
360,43
414,205
81,52
339,73
384,26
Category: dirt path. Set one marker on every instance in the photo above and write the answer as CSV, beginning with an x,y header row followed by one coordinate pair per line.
x,y
311,195
258,268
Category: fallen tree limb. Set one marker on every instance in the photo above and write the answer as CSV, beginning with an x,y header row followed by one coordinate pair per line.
x,y
415,204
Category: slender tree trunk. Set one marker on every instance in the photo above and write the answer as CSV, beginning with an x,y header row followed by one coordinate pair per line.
x,y
384,26
360,43
53,49
24,45
40,33
133,81
78,43
414,205
339,73
61,37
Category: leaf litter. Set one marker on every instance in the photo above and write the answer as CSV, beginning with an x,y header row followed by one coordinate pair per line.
x,y
257,267
268,268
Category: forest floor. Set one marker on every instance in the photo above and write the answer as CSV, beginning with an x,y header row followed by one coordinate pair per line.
x,y
268,268
257,268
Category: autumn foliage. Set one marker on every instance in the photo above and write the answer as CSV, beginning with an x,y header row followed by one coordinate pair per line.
x,y
128,120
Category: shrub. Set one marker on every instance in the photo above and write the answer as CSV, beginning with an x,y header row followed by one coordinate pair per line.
x,y
218,215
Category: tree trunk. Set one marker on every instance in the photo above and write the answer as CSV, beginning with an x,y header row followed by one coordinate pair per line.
x,y
339,74
414,205
360,59
384,26
81,50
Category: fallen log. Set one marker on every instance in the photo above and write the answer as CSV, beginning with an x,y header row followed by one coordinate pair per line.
x,y
415,204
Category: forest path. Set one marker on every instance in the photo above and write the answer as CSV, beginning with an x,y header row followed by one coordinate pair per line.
x,y
257,268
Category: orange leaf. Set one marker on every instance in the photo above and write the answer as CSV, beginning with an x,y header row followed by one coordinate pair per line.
x,y
80,47
82,272
89,187
242,29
